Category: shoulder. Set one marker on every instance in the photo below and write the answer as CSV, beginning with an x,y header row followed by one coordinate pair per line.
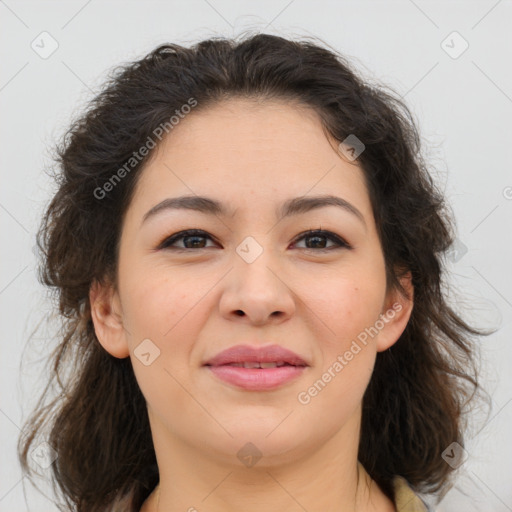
x,y
406,500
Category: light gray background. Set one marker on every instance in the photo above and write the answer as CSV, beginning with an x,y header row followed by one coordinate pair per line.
x,y
464,106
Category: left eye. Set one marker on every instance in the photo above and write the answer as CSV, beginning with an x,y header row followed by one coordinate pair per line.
x,y
193,237
318,235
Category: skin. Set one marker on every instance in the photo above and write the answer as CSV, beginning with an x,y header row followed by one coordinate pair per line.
x,y
252,157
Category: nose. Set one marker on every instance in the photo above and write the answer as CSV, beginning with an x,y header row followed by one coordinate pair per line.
x,y
256,291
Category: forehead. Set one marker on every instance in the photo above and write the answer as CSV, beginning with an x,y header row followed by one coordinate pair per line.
x,y
248,151
248,127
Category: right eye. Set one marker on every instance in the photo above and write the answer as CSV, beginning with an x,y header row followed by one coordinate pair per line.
x,y
191,236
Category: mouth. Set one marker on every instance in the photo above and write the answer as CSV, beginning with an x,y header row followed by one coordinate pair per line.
x,y
256,368
258,364
257,356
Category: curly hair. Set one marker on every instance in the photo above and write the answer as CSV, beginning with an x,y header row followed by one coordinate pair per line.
x,y
415,404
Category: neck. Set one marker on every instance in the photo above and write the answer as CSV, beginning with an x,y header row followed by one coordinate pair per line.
x,y
325,479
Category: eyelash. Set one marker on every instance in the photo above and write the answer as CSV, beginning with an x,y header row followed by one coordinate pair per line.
x,y
167,242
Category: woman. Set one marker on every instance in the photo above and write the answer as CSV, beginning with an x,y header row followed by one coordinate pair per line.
x,y
247,249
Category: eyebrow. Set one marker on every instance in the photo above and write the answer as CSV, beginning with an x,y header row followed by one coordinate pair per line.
x,y
289,208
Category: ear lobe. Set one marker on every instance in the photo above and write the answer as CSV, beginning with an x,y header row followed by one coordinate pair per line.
x,y
396,314
107,319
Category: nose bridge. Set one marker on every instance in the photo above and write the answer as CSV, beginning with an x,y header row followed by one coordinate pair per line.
x,y
255,263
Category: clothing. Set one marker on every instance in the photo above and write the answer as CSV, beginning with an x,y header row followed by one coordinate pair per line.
x,y
405,498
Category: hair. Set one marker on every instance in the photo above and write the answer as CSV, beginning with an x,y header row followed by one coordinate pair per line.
x,y
415,404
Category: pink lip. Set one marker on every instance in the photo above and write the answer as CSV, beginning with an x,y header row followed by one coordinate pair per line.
x,y
256,379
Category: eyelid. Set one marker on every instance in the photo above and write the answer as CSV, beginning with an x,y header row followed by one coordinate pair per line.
x,y
340,242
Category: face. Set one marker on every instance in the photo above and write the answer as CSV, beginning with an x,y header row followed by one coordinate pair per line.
x,y
250,276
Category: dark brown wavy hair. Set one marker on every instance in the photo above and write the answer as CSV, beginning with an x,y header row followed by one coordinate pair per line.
x,y
416,402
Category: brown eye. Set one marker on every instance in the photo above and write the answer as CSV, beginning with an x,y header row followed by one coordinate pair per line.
x,y
192,239
318,240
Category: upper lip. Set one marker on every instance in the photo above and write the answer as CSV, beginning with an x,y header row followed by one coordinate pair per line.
x,y
247,353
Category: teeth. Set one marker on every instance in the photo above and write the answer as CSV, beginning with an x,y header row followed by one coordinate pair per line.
x,y
251,365
268,365
256,364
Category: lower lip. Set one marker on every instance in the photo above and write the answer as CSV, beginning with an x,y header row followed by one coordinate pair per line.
x,y
257,379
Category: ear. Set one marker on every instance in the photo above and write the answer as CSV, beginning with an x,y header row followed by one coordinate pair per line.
x,y
106,316
396,313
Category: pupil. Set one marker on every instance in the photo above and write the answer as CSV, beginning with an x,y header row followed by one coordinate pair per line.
x,y
195,238
316,237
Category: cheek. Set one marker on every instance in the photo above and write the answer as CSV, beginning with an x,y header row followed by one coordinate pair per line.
x,y
346,355
165,311
156,306
348,304
344,302
158,303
